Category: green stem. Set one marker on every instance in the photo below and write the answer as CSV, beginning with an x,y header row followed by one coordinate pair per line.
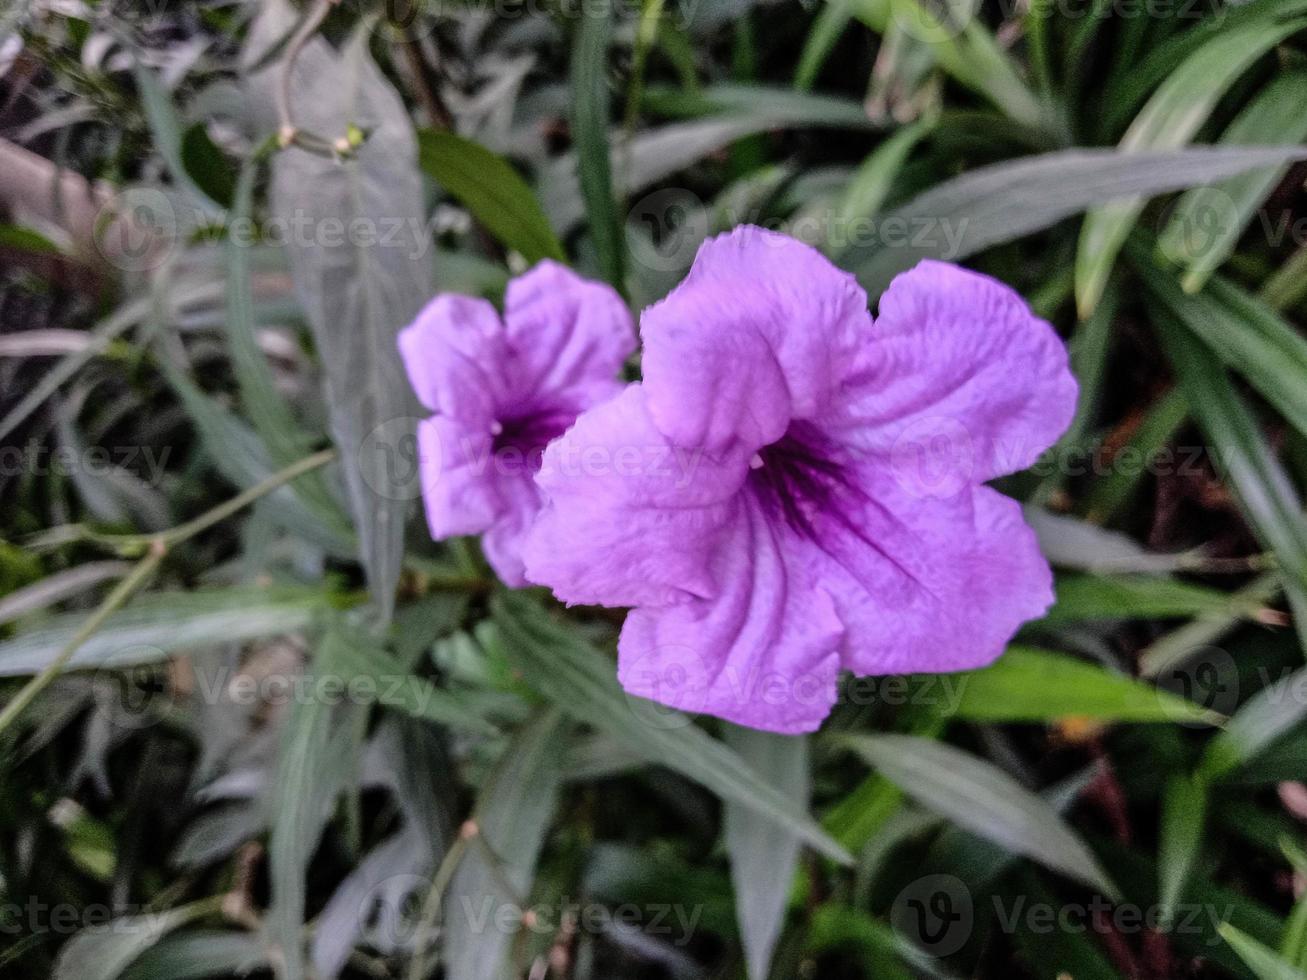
x,y
115,599
158,546
418,966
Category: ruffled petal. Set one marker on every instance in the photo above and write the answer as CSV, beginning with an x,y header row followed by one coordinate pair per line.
x,y
563,330
455,353
760,332
959,383
458,480
628,518
760,653
925,586
519,502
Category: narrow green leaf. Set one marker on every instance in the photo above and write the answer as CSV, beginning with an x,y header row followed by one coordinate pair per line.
x,y
1098,597
1240,450
1170,120
513,814
1261,960
1246,335
317,750
979,797
395,687
1184,816
831,22
963,46
157,625
104,952
590,114
166,130
206,165
1207,222
1269,714
1111,492
488,186
576,677
200,955
1034,685
1005,201
764,854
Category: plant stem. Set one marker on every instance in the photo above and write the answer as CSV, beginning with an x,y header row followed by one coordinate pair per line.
x,y
158,546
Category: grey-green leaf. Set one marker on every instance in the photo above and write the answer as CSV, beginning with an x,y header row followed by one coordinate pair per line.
x,y
1005,201
576,677
763,853
162,623
359,255
512,813
981,798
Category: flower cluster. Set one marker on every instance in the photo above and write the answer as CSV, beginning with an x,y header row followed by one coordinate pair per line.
x,y
789,491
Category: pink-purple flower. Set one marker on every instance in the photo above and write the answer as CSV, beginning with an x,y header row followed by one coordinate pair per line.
x,y
829,511
501,389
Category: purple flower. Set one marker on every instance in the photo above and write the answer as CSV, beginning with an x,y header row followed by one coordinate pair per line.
x,y
500,390
811,491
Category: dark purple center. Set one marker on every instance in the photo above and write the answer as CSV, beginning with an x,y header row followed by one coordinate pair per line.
x,y
797,477
526,435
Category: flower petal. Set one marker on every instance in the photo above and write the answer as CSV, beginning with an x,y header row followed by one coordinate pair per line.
x,y
458,487
565,330
761,653
759,333
455,354
924,586
960,382
628,518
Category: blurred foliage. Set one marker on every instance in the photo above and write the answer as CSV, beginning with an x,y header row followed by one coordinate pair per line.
x,y
256,723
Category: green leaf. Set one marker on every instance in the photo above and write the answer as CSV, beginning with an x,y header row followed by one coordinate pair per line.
x,y
830,24
206,165
1246,335
1095,597
1160,423
22,239
199,955
318,749
874,179
165,128
1262,960
1034,685
1006,201
104,952
1269,714
1184,816
266,408
576,677
513,814
357,292
1264,489
979,797
963,46
590,105
488,186
157,625
764,854
1207,221
780,106
1170,120
396,687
